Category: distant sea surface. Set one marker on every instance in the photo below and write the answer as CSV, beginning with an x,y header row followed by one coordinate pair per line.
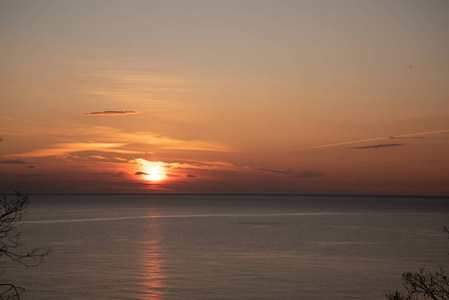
x,y
228,246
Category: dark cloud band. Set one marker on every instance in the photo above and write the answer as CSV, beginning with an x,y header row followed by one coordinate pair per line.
x,y
293,173
13,162
141,173
378,146
112,113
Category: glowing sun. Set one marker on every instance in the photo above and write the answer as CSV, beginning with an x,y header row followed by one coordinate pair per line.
x,y
154,173
151,170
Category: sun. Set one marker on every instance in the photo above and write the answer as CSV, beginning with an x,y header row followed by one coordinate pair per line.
x,y
151,170
154,173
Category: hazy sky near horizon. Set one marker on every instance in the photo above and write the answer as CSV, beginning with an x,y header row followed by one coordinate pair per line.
x,y
225,96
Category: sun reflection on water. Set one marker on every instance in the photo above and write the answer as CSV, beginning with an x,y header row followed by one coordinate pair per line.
x,y
152,262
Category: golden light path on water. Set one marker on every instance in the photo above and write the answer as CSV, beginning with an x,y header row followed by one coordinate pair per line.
x,y
152,262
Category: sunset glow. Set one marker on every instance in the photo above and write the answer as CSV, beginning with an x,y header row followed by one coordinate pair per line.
x,y
154,173
150,170
223,149
320,97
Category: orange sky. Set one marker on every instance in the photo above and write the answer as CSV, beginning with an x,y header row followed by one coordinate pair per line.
x,y
324,97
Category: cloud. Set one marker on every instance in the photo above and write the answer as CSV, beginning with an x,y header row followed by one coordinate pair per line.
x,y
378,146
141,173
120,159
137,142
370,140
66,148
30,175
191,176
31,167
172,175
113,174
112,113
294,173
99,157
119,80
307,174
13,162
190,165
221,166
407,137
110,185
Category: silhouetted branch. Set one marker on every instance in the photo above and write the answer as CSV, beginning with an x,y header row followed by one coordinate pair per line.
x,y
11,213
423,284
9,291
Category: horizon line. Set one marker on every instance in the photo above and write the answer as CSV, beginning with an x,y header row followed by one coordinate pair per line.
x,y
241,194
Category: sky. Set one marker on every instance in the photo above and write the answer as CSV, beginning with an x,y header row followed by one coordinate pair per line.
x,y
307,97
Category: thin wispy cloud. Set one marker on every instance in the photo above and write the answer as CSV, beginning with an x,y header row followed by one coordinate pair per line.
x,y
207,166
371,140
31,175
112,174
222,166
408,137
112,113
293,173
137,141
99,157
308,174
378,146
172,175
13,162
62,149
120,80
120,159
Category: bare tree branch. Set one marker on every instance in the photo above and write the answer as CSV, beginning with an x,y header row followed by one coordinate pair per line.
x,y
11,213
423,284
9,291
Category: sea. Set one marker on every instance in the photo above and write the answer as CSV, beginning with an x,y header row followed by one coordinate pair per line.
x,y
153,246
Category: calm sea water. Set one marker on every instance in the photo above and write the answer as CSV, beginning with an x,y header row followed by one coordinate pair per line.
x,y
228,246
